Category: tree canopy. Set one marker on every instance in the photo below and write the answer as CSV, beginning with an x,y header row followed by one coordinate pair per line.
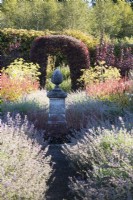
x,y
110,17
113,19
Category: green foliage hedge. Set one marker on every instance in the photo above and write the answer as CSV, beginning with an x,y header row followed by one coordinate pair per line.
x,y
16,43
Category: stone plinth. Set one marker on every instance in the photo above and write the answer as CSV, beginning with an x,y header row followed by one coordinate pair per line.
x,y
57,126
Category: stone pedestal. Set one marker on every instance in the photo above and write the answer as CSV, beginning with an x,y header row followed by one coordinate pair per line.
x,y
57,126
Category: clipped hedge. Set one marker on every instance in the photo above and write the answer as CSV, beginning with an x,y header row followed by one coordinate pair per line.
x,y
76,52
16,43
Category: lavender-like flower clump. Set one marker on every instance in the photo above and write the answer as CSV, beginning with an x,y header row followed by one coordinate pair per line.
x,y
102,158
24,168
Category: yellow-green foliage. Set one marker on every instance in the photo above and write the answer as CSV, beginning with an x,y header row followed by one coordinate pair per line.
x,y
66,84
23,32
125,40
121,99
19,78
89,40
20,69
100,73
24,37
13,89
107,141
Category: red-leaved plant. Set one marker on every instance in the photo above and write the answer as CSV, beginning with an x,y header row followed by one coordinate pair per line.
x,y
112,90
13,89
108,87
123,61
76,52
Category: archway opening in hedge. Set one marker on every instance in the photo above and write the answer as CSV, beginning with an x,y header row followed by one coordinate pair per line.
x,y
74,50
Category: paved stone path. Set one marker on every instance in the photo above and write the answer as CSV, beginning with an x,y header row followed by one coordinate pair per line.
x,y
58,182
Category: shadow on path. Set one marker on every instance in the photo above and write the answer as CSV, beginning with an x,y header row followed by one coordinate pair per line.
x,y
58,181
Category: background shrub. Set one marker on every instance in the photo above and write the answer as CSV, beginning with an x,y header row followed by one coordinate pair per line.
x,y
13,89
19,69
120,56
100,73
89,40
66,84
15,43
24,168
19,79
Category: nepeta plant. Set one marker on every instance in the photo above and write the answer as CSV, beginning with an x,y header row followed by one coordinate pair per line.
x,y
33,105
103,160
81,109
24,168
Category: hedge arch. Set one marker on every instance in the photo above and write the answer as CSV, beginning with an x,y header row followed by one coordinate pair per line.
x,y
75,51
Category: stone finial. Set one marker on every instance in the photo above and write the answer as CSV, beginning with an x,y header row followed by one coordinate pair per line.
x,y
57,78
57,92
